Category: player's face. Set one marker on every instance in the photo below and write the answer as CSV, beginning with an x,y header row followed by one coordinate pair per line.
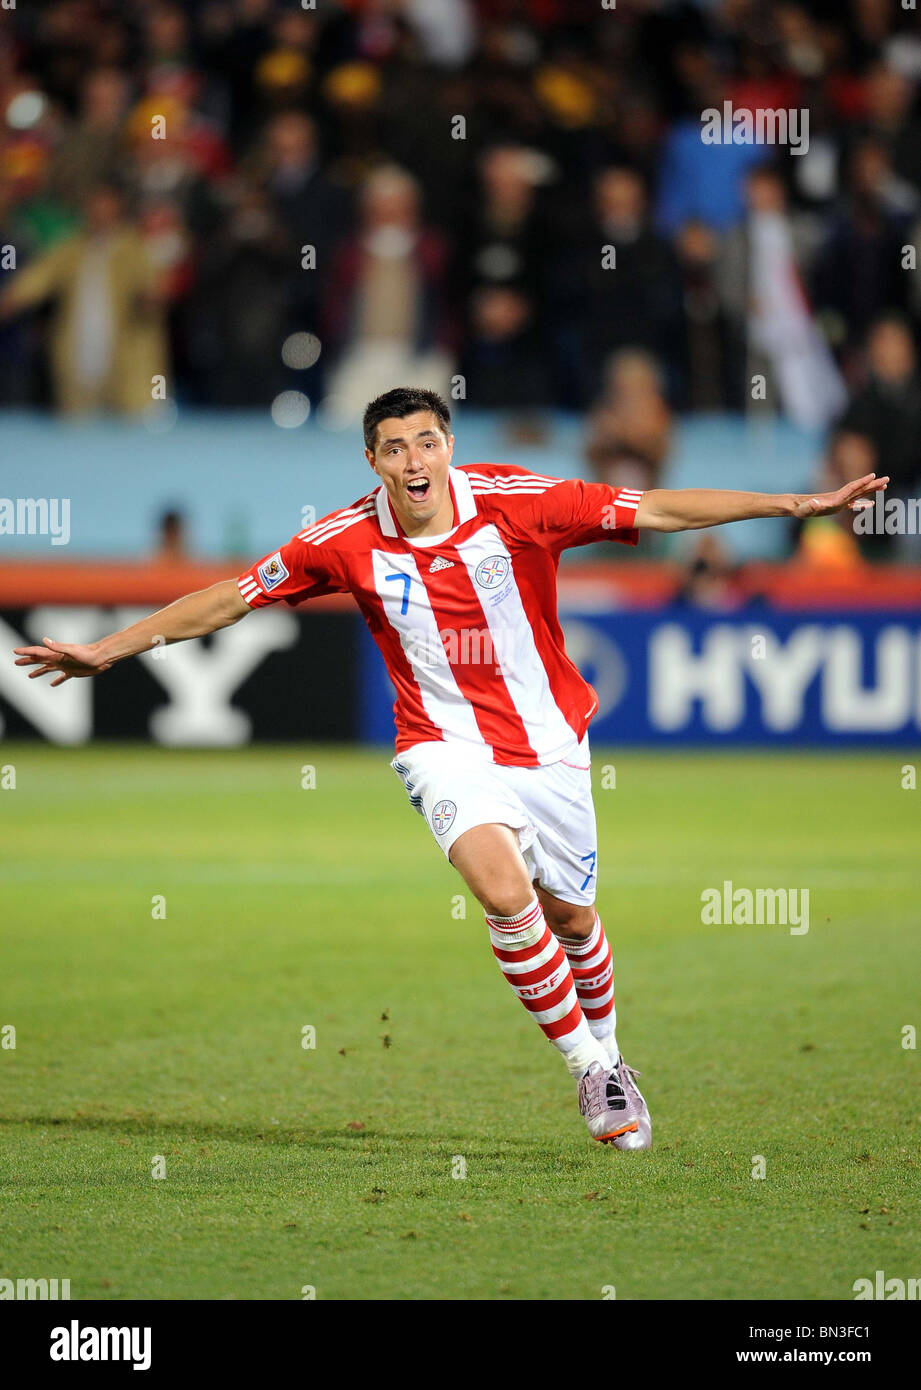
x,y
412,456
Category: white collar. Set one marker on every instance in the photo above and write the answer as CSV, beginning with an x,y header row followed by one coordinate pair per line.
x,y
464,501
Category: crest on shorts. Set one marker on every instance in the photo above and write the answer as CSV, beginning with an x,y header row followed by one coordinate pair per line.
x,y
442,816
492,571
272,571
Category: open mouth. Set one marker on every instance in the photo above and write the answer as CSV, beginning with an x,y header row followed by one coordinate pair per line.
x,y
419,489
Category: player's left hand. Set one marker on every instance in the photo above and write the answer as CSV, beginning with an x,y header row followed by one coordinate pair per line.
x,y
856,497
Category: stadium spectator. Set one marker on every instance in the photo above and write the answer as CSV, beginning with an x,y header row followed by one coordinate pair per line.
x,y
710,578
386,314
618,286
703,182
240,310
630,425
354,114
858,271
19,338
170,70
712,374
886,411
95,146
108,338
504,239
784,353
283,73
502,364
171,547
892,121
309,209
446,29
186,165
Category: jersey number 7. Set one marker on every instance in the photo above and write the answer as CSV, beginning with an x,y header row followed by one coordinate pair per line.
x,y
407,580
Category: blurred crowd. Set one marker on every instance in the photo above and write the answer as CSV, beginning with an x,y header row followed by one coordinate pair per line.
x,y
508,200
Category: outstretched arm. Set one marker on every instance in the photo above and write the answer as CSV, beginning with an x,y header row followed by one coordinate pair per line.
x,y
36,281
192,616
687,509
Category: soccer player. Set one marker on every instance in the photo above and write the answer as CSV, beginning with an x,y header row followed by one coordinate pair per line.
x,y
454,570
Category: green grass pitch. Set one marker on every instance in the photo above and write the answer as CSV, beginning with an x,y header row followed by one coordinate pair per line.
x,y
286,1167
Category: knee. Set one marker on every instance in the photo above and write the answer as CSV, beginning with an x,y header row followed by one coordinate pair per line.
x,y
506,899
574,920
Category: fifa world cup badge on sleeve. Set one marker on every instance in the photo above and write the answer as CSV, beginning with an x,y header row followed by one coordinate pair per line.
x,y
272,571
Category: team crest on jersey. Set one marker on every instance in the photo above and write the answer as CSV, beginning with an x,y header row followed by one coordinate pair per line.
x,y
272,571
492,571
443,816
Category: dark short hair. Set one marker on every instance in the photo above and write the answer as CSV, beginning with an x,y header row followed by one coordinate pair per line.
x,y
401,401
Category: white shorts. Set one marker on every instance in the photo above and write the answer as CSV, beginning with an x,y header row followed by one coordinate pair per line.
x,y
549,808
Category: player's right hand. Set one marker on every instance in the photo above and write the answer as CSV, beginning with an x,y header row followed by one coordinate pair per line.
x,y
62,660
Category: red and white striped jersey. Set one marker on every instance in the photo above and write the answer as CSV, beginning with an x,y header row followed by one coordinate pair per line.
x,y
467,621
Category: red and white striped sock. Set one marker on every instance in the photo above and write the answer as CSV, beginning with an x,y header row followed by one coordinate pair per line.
x,y
592,965
535,965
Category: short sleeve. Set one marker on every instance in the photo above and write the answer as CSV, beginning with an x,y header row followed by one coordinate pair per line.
x,y
300,570
579,513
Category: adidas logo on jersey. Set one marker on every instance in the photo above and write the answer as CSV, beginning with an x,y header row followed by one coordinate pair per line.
x,y
440,564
